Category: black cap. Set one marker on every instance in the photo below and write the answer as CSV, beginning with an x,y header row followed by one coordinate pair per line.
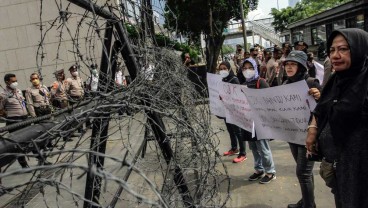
x,y
60,71
276,49
285,44
74,67
300,43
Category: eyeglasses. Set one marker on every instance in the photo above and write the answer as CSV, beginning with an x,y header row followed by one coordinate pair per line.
x,y
340,49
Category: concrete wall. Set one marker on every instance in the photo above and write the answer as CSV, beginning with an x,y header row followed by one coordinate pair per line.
x,y
20,38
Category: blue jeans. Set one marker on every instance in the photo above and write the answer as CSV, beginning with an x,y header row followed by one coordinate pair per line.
x,y
263,161
304,172
235,138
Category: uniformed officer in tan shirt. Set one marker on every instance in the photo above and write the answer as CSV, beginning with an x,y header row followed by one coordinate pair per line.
x,y
59,97
74,85
13,106
37,97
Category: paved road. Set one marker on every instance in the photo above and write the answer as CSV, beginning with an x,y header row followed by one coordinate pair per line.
x,y
244,194
277,194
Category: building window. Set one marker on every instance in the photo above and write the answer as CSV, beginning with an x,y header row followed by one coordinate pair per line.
x,y
360,21
318,34
351,22
297,35
314,36
339,24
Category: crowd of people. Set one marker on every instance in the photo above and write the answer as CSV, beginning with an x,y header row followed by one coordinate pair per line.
x,y
39,100
337,131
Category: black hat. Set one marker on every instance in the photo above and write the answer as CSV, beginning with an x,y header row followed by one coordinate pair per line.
x,y
276,49
286,44
297,56
73,67
226,63
60,71
301,43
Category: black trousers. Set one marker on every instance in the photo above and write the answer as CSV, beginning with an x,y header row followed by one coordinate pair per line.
x,y
21,160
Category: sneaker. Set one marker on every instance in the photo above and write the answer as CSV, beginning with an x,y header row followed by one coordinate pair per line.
x,y
267,179
299,204
43,162
231,152
256,176
239,159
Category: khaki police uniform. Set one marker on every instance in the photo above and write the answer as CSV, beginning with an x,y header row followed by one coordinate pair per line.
x,y
13,104
74,88
38,103
58,95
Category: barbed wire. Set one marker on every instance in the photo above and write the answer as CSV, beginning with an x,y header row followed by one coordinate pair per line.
x,y
135,170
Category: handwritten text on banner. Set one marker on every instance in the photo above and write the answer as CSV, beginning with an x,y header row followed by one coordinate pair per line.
x,y
279,112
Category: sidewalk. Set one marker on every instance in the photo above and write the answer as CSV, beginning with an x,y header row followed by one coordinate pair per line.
x,y
243,193
277,194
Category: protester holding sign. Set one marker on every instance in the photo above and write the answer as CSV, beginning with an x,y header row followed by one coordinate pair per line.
x,y
263,162
340,119
234,131
296,70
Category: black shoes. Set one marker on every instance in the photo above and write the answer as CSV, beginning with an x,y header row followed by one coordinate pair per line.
x,y
43,162
266,179
299,204
256,176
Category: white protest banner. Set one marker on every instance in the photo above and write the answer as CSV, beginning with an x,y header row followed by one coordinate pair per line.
x,y
320,71
214,82
237,109
282,112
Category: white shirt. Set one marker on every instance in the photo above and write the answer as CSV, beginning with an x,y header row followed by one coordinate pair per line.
x,y
93,82
148,72
119,78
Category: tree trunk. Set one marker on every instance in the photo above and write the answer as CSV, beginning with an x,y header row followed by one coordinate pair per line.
x,y
213,48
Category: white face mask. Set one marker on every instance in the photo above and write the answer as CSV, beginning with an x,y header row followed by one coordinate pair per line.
x,y
249,73
75,74
14,85
224,73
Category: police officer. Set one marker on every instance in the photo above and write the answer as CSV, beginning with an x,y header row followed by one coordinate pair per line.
x,y
13,106
37,97
59,97
74,85
75,90
38,104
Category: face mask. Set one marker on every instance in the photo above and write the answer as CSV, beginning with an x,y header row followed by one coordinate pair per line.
x,y
249,73
14,85
224,73
75,74
94,72
36,82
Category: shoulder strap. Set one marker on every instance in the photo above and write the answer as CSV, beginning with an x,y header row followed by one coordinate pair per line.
x,y
232,78
258,85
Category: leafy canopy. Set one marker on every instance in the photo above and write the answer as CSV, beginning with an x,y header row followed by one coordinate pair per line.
x,y
302,10
191,17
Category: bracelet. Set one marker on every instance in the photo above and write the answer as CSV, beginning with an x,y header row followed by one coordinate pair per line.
x,y
312,126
